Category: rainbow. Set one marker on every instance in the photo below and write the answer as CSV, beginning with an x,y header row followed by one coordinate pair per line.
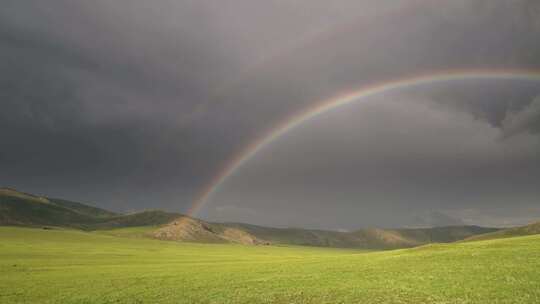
x,y
293,121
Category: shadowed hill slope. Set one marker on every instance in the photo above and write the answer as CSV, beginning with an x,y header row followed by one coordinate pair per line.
x,y
510,232
143,218
364,238
82,208
22,209
440,234
17,208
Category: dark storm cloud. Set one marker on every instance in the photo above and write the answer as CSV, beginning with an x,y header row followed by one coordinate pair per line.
x,y
137,104
94,103
382,162
525,120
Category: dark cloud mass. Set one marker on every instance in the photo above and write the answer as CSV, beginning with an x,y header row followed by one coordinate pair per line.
x,y
137,104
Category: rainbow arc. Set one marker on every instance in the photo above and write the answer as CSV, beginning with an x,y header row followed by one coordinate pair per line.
x,y
248,152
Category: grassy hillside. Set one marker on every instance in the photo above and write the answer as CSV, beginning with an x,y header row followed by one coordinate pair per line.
x,y
365,238
33,211
511,232
82,208
143,218
442,234
194,230
22,209
67,266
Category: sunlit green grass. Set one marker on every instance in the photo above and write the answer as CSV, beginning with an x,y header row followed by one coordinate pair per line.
x,y
131,232
66,266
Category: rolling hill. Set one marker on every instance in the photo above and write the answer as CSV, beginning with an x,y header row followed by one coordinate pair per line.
x,y
365,238
530,229
83,209
23,209
194,230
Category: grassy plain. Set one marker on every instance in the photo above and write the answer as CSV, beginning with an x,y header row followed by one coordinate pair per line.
x,y
69,266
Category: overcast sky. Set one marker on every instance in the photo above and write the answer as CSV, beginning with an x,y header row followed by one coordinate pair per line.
x,y
137,104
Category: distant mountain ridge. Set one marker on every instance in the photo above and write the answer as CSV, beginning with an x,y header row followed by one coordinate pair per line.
x,y
23,209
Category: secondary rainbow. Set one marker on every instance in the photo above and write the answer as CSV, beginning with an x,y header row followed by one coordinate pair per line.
x,y
366,91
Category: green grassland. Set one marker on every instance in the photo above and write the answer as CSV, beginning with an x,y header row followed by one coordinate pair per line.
x,y
117,266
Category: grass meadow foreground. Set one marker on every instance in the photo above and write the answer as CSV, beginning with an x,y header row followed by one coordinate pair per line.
x,y
69,266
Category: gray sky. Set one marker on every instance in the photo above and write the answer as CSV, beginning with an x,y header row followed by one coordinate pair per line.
x,y
137,104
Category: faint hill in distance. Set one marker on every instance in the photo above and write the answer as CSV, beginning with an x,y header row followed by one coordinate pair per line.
x,y
432,219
